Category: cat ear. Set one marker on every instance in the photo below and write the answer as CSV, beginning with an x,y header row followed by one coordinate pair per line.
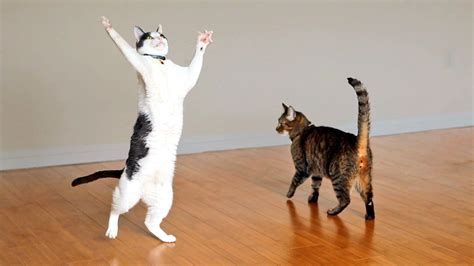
x,y
285,107
138,32
290,113
160,29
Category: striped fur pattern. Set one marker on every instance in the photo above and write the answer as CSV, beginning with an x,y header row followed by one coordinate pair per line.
x,y
323,152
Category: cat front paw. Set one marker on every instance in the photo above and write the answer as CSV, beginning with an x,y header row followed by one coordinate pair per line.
x,y
106,23
205,37
313,198
290,193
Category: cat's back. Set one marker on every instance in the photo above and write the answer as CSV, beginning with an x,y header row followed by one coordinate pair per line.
x,y
323,137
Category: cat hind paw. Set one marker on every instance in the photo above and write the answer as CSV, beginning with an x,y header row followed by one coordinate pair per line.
x,y
112,232
313,198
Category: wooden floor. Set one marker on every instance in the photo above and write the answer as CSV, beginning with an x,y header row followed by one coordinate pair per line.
x,y
230,208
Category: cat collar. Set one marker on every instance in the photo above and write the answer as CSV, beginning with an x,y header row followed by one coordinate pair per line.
x,y
156,56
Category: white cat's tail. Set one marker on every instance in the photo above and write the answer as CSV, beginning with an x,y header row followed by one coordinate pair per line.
x,y
97,175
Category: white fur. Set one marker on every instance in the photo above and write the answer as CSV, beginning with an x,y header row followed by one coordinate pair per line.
x,y
162,90
291,114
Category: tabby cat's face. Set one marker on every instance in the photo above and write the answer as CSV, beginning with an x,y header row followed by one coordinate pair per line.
x,y
287,121
291,122
153,43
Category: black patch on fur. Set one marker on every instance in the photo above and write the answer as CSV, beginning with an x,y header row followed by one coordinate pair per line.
x,y
138,148
159,57
97,175
145,36
353,82
142,39
313,198
370,213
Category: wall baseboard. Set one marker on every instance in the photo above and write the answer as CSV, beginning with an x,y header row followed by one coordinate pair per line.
x,y
99,153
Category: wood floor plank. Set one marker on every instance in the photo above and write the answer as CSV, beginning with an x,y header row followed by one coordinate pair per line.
x,y
230,208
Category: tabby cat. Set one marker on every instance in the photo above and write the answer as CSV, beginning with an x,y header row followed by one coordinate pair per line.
x,y
342,157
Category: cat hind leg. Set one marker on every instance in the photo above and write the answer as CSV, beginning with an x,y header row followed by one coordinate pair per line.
x,y
125,196
316,184
364,187
159,203
341,185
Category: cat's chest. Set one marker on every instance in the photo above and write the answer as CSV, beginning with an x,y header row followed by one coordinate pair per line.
x,y
159,69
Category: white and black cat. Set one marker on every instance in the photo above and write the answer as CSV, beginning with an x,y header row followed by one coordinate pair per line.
x,y
149,170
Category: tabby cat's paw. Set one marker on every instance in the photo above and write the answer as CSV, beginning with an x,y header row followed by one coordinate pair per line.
x,y
334,211
313,198
290,194
369,217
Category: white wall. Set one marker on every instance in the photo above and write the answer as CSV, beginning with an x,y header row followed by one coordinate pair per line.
x,y
67,95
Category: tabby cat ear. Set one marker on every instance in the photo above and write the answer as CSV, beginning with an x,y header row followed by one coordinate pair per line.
x,y
290,113
138,32
160,29
285,108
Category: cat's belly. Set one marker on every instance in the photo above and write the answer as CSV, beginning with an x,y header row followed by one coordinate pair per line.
x,y
165,113
162,144
158,167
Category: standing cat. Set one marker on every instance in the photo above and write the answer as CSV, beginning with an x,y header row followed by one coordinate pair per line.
x,y
149,170
328,152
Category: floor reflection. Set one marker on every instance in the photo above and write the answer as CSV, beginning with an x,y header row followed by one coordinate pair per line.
x,y
324,230
158,254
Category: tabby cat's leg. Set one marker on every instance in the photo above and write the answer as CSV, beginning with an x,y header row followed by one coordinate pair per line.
x,y
159,201
315,185
298,179
365,190
341,185
125,196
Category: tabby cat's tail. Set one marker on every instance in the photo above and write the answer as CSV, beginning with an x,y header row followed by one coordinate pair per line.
x,y
97,175
363,123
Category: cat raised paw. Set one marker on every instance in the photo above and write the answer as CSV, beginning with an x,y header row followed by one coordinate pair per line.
x,y
205,37
106,22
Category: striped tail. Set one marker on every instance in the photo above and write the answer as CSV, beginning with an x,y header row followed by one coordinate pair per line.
x,y
363,123
97,175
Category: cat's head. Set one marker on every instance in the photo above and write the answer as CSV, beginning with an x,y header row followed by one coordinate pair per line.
x,y
291,121
153,43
